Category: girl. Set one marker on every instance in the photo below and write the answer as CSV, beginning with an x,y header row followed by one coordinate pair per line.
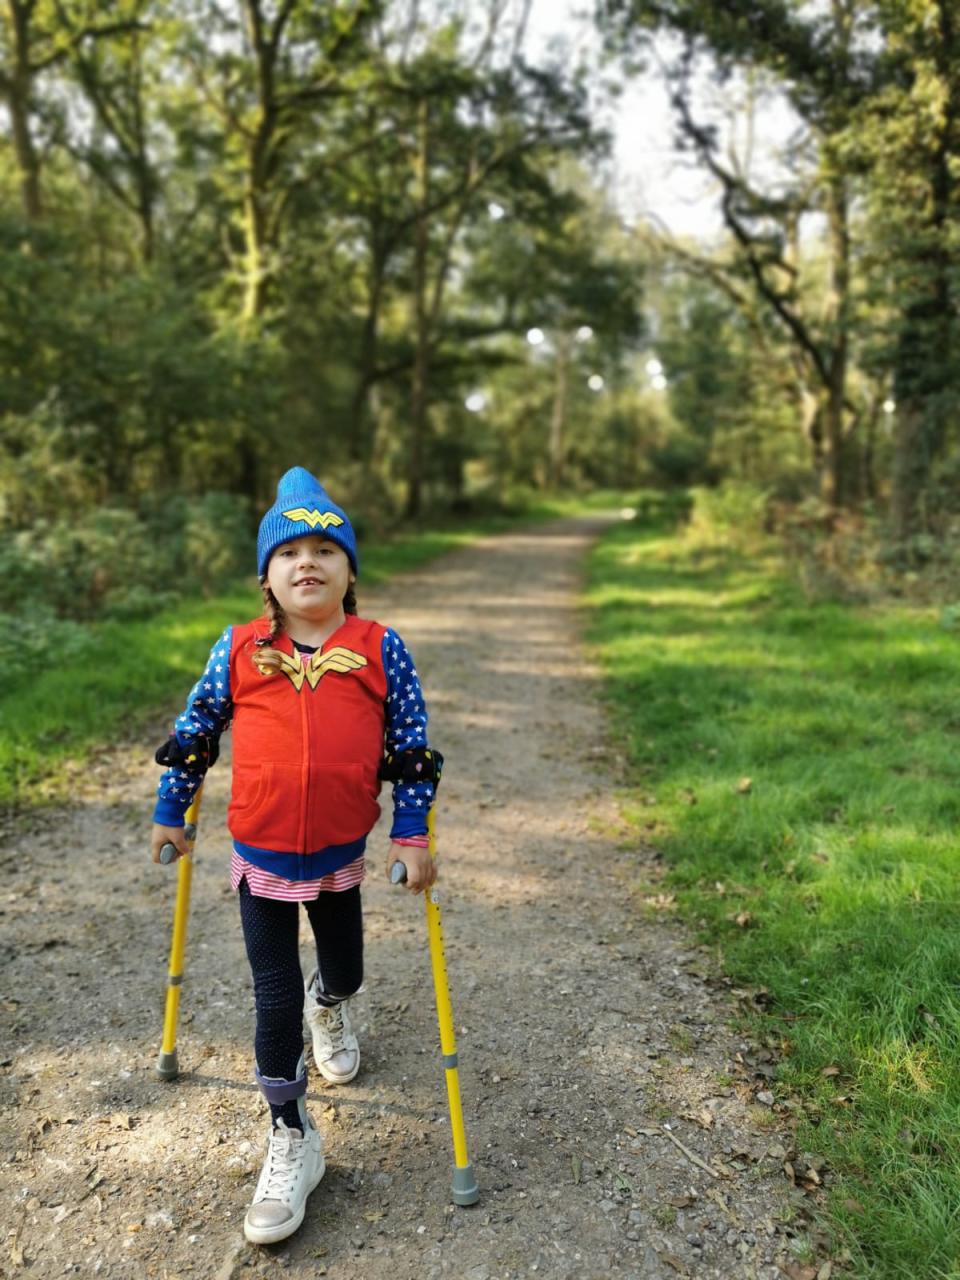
x,y
315,695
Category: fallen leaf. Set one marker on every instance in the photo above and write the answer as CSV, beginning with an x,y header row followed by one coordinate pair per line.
x,y
704,1117
743,919
673,1261
375,1215
743,786
826,1271
853,1206
120,1120
830,1071
577,1166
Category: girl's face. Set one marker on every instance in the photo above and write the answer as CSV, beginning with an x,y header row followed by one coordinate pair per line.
x,y
309,577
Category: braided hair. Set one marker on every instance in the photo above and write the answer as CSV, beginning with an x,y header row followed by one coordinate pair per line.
x,y
265,657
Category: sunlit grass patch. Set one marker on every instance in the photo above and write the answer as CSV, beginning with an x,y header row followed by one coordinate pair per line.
x,y
797,766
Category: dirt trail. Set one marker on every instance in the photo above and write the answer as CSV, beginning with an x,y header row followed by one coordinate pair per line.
x,y
584,1029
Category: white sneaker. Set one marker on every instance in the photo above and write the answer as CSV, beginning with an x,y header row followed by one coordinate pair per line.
x,y
335,1046
293,1167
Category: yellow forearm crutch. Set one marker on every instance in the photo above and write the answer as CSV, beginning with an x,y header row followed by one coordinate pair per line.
x,y
167,1066
464,1189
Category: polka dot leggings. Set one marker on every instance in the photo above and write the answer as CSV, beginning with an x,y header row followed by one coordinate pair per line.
x,y
271,933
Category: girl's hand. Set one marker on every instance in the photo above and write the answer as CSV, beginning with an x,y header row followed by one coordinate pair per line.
x,y
162,835
421,867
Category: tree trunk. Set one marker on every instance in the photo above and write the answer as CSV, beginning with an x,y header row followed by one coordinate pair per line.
x,y
811,423
19,89
421,358
256,192
924,379
361,430
831,475
255,247
911,465
558,416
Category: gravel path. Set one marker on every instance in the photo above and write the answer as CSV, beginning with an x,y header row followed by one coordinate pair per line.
x,y
611,1114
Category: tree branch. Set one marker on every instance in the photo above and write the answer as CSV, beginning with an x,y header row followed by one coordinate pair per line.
x,y
757,265
86,33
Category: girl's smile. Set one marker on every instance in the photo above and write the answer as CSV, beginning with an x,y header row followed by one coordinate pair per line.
x,y
309,577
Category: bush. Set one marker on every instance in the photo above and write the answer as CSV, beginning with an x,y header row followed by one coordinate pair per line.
x,y
36,638
734,514
117,562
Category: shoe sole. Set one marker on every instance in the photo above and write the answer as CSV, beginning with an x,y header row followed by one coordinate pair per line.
x,y
273,1235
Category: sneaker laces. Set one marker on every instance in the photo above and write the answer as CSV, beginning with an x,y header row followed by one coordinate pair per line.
x,y
334,1021
284,1161
328,1020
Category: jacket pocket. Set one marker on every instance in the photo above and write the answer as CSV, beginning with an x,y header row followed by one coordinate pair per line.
x,y
342,804
265,810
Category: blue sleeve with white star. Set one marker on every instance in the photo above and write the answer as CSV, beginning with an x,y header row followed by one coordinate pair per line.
x,y
208,711
406,727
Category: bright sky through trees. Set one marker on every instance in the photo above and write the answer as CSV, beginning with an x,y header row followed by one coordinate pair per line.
x,y
651,179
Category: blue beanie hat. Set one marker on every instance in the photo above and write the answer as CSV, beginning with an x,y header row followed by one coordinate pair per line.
x,y
303,507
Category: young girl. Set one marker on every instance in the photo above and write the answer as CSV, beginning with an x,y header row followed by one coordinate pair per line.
x,y
315,696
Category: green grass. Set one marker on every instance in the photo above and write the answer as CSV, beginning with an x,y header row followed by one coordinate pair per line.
x,y
842,848
102,682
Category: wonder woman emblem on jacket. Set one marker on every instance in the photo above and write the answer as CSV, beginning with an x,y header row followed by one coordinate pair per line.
x,y
313,671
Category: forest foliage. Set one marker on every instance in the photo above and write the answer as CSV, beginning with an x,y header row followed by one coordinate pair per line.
x,y
382,239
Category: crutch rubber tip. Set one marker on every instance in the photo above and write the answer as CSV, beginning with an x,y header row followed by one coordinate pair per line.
x,y
464,1189
167,1066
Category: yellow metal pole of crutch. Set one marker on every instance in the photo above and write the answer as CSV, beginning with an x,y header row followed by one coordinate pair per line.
x,y
168,1068
464,1190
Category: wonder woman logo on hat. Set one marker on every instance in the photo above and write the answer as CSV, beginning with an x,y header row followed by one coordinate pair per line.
x,y
314,518
303,507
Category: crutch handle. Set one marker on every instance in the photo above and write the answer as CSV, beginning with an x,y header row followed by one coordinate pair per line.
x,y
398,872
169,851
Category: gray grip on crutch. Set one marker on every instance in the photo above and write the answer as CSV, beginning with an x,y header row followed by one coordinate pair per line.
x,y
169,851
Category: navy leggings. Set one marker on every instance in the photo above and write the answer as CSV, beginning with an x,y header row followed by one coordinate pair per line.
x,y
271,933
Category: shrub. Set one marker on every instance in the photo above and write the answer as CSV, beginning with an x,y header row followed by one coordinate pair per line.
x,y
118,562
34,638
734,514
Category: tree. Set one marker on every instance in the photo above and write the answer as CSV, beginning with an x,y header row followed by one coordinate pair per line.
x,y
35,38
266,76
882,115
120,77
907,135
